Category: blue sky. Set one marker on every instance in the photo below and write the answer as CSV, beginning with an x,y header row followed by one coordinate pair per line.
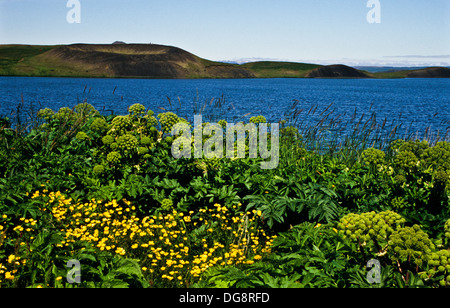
x,y
414,32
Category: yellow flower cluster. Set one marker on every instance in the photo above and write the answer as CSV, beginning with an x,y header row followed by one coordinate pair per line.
x,y
10,266
9,271
2,230
164,243
241,235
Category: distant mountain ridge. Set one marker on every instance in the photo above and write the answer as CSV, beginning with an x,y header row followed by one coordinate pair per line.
x,y
121,60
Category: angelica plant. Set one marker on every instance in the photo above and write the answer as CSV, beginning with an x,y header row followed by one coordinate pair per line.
x,y
371,229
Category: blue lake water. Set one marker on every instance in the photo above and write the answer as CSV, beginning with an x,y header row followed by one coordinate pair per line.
x,y
417,103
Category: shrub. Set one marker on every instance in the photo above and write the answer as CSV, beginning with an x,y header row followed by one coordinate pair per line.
x,y
151,120
64,114
399,203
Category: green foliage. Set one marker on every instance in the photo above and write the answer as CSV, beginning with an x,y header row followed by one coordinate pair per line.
x,y
351,190
85,110
315,199
142,150
305,257
399,203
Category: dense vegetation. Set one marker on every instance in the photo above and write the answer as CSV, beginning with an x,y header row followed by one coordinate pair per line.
x,y
106,191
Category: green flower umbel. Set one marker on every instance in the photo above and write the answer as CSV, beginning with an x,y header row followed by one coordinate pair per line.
x,y
167,205
114,157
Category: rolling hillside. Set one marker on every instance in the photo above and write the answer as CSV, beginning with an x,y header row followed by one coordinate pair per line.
x,y
117,60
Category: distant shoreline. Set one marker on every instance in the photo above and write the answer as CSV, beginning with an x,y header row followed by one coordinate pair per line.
x,y
151,61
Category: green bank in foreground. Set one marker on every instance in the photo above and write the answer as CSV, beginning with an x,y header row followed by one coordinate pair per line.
x,y
88,200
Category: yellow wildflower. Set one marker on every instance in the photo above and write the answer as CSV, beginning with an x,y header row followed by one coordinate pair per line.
x,y
9,276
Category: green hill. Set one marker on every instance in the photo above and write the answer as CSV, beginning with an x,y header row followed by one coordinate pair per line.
x,y
117,60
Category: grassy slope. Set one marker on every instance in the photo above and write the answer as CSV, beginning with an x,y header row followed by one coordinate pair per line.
x,y
30,61
14,59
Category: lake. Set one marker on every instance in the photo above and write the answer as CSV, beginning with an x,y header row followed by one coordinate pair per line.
x,y
417,103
